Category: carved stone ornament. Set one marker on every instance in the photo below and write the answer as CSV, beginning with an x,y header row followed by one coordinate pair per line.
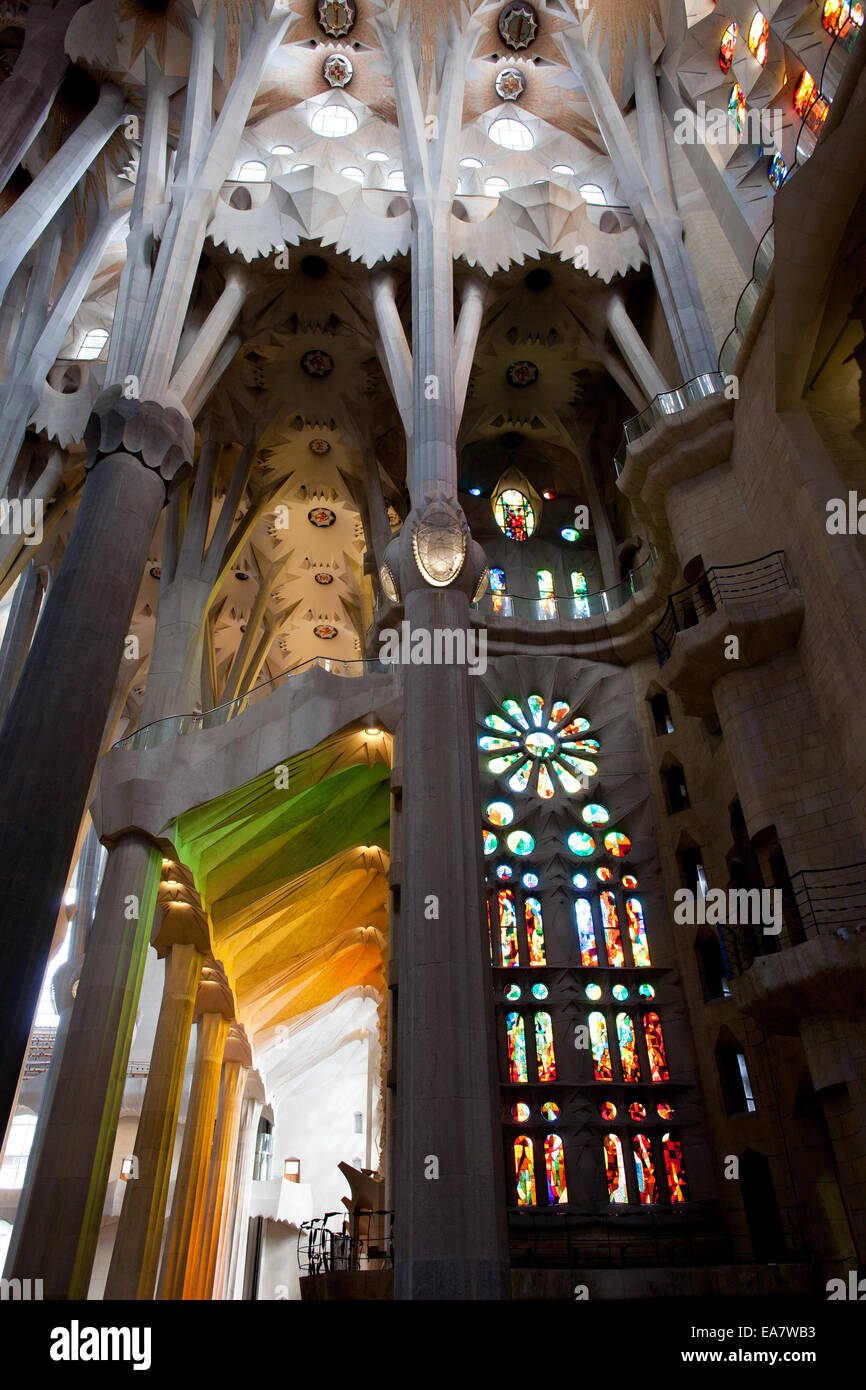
x,y
518,24
161,436
336,17
481,586
389,584
439,544
509,84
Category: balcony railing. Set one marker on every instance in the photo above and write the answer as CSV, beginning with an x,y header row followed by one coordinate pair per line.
x,y
164,730
667,403
558,608
831,901
325,1246
821,902
723,584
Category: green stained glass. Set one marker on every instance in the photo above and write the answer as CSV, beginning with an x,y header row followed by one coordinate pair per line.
x,y
493,721
499,813
498,765
491,745
620,993
594,814
581,765
569,782
512,992
518,782
512,707
540,745
583,745
520,842
489,841
579,842
536,709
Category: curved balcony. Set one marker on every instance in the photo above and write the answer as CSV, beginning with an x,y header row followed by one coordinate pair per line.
x,y
665,404
756,603
164,730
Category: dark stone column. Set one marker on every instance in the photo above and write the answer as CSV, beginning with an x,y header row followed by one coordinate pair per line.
x,y
450,1234
20,627
50,740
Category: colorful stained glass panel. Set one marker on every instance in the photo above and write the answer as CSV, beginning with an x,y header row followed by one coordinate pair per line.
x,y
637,932
612,935
585,932
534,931
508,928
655,1046
516,1039
544,1047
554,1164
524,1171
646,1178
600,1050
614,1169
627,1048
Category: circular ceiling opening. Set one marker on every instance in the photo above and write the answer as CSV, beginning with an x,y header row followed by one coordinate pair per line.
x,y
538,279
314,267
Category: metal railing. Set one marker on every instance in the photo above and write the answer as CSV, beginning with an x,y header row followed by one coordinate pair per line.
x,y
667,403
557,608
367,1242
40,1051
721,584
831,901
164,730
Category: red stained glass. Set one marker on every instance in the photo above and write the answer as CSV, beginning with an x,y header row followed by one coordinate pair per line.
x,y
655,1046
646,1178
676,1169
554,1164
524,1171
544,1047
508,928
612,935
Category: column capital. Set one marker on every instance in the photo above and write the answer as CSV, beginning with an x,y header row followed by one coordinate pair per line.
x,y
435,550
215,993
161,436
184,920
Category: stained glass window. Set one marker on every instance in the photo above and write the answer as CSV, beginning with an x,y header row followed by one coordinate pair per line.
x,y
585,932
620,993
809,104
778,171
544,786
629,881
665,1109
616,843
637,932
544,1047
581,843
612,935
607,1110
508,928
759,32
655,1047
536,709
593,814
539,991
578,588
675,1168
579,880
646,991
497,588
534,931
557,713
726,48
489,841
614,1168
604,873
737,106
627,1048
520,1112
519,842
499,813
504,871
530,880
646,1178
554,1164
600,1050
516,1048
637,1111
593,991
524,1171
490,931
512,992
840,18
547,603
550,1110
514,515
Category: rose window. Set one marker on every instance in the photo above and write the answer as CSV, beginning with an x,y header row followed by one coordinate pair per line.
x,y
539,751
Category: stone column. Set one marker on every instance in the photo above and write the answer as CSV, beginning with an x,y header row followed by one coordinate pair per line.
x,y
20,627
632,346
236,1063
214,1004
27,95
33,210
51,736
183,940
236,1242
59,1216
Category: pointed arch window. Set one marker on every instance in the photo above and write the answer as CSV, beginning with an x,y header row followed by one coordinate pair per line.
x,y
759,33
544,1047
547,601
600,1049
578,588
534,931
516,1039
508,943
524,1171
645,1171
727,46
585,932
615,1169
675,1169
655,1046
516,506
554,1167
627,1047
612,934
637,932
